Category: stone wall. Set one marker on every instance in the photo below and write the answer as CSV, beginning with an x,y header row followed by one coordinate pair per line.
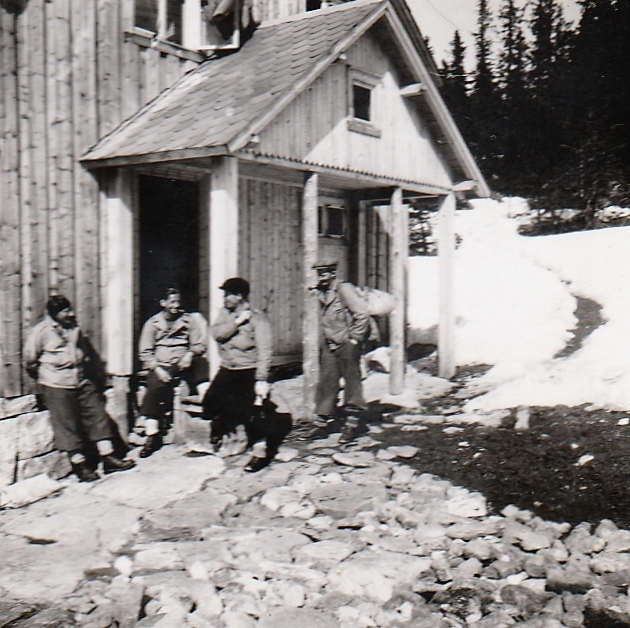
x,y
26,442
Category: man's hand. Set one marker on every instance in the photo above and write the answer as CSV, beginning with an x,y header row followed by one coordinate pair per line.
x,y
185,361
261,388
353,341
163,375
243,317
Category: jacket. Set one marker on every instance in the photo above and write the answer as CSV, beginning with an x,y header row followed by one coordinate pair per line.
x,y
343,314
55,355
244,346
163,342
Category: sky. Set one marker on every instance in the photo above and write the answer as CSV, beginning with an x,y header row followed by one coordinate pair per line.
x,y
439,19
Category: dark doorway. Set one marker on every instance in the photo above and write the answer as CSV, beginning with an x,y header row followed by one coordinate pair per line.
x,y
169,242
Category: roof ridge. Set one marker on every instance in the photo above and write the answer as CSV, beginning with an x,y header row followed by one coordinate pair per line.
x,y
296,17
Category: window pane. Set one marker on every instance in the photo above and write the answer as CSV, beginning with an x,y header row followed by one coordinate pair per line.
x,y
174,20
146,13
335,221
361,102
321,228
313,5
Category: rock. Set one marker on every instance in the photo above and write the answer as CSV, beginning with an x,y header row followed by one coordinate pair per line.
x,y
581,541
467,505
8,451
571,580
276,497
324,554
302,510
522,419
19,405
302,617
127,599
12,610
536,566
385,454
35,435
346,499
528,539
124,565
402,476
28,491
159,558
54,464
619,541
286,454
527,601
471,529
468,569
236,619
606,529
480,548
354,459
609,562
273,544
403,451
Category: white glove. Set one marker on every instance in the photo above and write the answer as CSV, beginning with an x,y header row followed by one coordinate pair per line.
x,y
261,388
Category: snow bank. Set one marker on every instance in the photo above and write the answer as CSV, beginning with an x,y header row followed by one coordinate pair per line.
x,y
514,308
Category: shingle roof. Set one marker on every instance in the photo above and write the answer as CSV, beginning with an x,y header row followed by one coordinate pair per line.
x,y
211,105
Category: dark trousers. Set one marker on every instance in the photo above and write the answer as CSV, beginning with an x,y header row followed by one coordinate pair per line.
x,y
158,397
230,400
342,362
77,414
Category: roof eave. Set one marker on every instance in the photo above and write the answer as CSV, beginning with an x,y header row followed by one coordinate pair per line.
x,y
154,158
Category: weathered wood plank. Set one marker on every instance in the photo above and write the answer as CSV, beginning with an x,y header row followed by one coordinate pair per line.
x,y
310,321
446,265
10,214
398,263
109,65
86,202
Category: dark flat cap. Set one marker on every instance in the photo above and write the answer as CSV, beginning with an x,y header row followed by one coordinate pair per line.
x,y
325,263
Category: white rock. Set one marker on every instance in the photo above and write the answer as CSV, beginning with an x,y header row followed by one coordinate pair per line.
x,y
585,459
28,491
413,428
325,553
624,421
332,478
302,510
321,522
286,454
158,559
124,565
359,459
403,451
402,476
198,571
278,496
472,505
235,619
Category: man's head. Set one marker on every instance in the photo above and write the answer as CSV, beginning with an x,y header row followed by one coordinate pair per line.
x,y
172,303
235,291
326,272
59,309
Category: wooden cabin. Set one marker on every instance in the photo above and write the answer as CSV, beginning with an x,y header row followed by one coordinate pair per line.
x,y
137,152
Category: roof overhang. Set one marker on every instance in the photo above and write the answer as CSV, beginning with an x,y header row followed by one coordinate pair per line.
x,y
156,158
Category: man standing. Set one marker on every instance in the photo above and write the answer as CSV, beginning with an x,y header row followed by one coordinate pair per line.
x,y
344,321
168,343
56,355
245,349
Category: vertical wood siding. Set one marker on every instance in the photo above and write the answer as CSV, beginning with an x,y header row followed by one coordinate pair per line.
x,y
67,77
314,127
270,256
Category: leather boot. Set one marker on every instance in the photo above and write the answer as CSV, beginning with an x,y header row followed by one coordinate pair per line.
x,y
84,473
154,442
111,464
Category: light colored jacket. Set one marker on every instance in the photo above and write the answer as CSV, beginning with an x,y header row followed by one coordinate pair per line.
x,y
164,343
343,314
244,346
54,355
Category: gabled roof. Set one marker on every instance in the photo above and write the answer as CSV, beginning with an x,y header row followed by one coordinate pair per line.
x,y
216,108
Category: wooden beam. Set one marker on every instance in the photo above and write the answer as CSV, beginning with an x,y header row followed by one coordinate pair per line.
x,y
223,239
399,250
415,89
117,244
446,261
310,321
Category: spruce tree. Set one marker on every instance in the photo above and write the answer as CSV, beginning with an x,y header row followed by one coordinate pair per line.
x,y
455,84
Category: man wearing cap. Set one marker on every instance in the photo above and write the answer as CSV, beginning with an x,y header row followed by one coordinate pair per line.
x,y
168,343
243,335
57,355
344,321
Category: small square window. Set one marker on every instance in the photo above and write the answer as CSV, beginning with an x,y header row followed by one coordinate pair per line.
x,y
335,222
361,97
313,5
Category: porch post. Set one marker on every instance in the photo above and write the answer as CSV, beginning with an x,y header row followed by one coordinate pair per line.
x,y
446,261
223,243
399,251
310,321
117,248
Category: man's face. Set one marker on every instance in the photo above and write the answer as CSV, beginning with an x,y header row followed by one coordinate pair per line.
x,y
172,305
66,318
232,301
325,276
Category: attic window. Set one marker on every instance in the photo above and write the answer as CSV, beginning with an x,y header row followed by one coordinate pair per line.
x,y
164,18
361,99
313,5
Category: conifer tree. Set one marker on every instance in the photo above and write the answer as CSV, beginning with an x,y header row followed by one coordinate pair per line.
x,y
455,84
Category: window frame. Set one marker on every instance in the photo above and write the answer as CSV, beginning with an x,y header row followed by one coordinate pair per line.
x,y
367,81
323,223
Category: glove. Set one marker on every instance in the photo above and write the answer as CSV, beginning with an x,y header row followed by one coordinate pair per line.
x,y
261,388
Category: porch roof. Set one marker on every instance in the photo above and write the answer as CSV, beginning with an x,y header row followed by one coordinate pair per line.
x,y
209,108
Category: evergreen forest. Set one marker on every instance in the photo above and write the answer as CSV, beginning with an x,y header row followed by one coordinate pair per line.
x,y
546,110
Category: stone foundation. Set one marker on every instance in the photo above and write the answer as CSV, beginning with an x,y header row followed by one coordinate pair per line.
x,y
26,443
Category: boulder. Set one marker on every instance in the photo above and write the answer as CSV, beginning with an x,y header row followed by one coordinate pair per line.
x,y
54,464
35,435
324,554
302,617
9,430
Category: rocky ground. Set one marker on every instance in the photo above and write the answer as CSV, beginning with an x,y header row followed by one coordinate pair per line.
x,y
371,534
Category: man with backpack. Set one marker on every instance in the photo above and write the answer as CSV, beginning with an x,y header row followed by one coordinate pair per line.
x,y
344,321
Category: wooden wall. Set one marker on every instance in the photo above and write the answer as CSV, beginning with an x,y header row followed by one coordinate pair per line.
x,y
270,256
67,77
314,127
